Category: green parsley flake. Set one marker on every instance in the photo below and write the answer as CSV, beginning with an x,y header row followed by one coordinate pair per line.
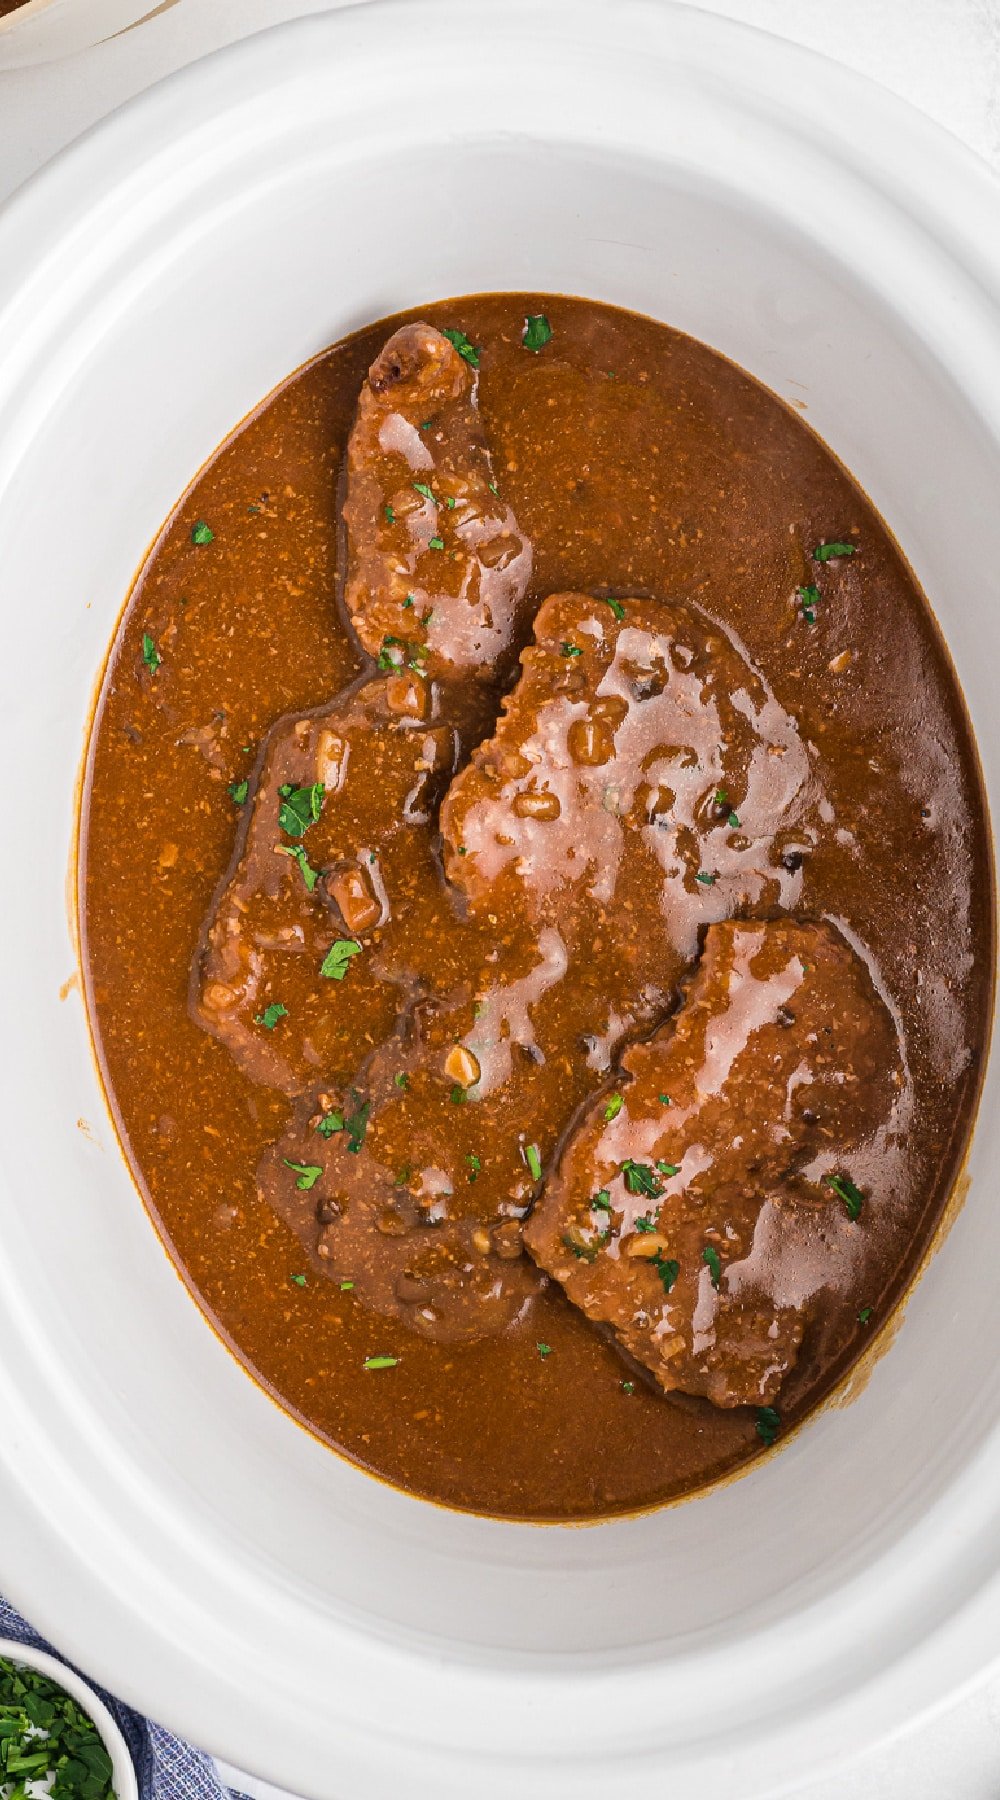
x,y
458,1095
330,1123
356,1124
571,650
300,807
537,332
533,1161
493,488
544,1350
645,1222
640,1179
299,1280
451,502
390,517
435,543
733,821
422,488
616,606
810,598
865,1314
768,1424
846,1191
381,1362
601,1201
238,791
150,654
710,1255
308,1173
401,1080
666,1168
627,1387
334,964
826,552
720,797
202,533
347,1287
667,1269
463,346
474,1165
613,1107
665,1098
705,878
271,1014
309,875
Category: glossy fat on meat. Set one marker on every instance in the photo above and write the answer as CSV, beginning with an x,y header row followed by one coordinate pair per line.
x,y
438,565
578,927
642,775
665,1217
382,753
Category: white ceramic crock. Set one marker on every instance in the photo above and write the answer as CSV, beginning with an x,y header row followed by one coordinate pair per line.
x,y
161,1518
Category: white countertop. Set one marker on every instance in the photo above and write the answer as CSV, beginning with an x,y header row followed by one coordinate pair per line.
x,y
944,56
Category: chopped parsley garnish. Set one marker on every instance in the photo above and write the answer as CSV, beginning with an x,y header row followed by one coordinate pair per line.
x,y
493,488
422,488
425,424
238,791
451,502
824,552
401,1080
150,654
356,1124
665,1098
330,1123
474,1165
458,1095
768,1423
613,1107
601,1201
667,1269
584,1252
537,332
300,807
865,1314
705,878
271,1014
640,1179
533,1161
666,1168
710,1255
463,346
733,821
386,660
308,1173
381,1362
544,1350
299,1280
846,1191
43,1733
408,602
202,533
390,517
645,1222
309,875
347,1287
435,543
720,797
334,964
810,598
571,650
616,606
627,1387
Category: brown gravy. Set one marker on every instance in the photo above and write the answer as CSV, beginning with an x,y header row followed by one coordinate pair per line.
x,y
637,462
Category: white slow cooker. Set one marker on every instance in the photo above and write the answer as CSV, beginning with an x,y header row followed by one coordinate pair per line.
x,y
160,1517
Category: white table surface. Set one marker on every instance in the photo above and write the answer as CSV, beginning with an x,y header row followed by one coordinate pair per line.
x,y
944,56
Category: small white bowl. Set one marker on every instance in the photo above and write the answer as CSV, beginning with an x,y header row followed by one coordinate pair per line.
x,y
44,30
126,1786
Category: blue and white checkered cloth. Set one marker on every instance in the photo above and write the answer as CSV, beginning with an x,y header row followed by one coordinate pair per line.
x,y
166,1767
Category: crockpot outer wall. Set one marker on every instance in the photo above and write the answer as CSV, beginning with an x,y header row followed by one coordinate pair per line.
x,y
163,1520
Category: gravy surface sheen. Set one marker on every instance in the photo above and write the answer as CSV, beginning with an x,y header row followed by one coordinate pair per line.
x,y
709,722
